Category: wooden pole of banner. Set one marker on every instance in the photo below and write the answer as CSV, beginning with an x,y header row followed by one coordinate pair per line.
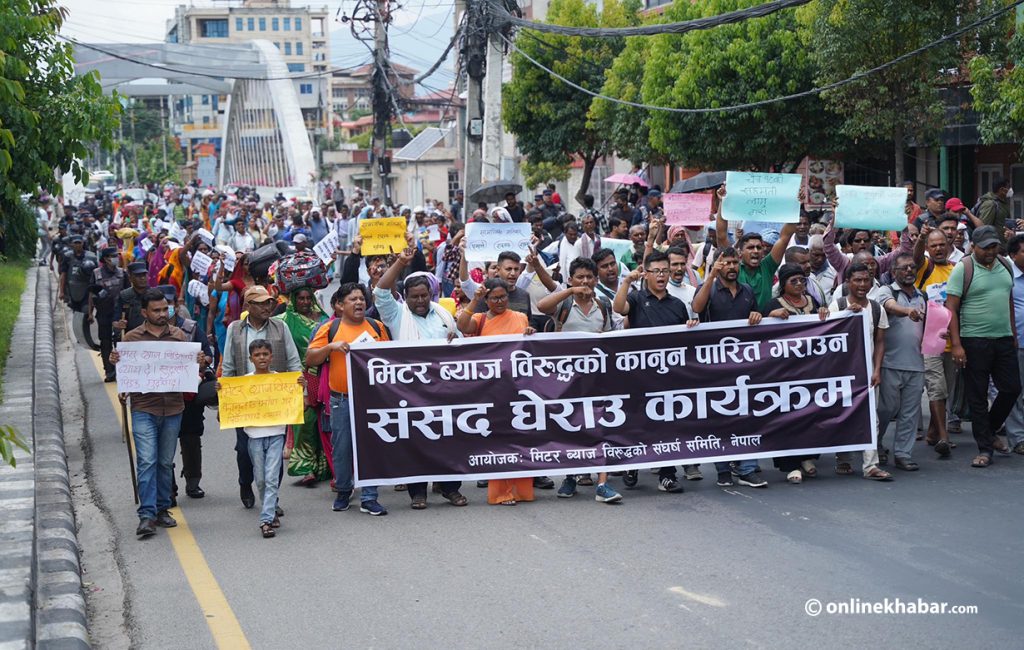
x,y
131,450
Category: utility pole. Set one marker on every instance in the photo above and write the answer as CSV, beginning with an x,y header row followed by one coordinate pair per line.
x,y
135,164
490,168
476,54
163,138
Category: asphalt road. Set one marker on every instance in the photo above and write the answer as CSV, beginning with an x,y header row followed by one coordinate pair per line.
x,y
711,567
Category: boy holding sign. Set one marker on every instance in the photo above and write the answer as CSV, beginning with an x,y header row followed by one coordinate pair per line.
x,y
266,446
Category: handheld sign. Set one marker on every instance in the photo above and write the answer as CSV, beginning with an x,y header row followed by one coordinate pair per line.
x,y
157,367
936,323
177,232
382,236
484,241
687,209
755,196
146,244
326,247
871,208
206,236
227,257
200,263
260,400
199,291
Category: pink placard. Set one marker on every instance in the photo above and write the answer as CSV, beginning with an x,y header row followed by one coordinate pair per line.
x,y
687,209
935,324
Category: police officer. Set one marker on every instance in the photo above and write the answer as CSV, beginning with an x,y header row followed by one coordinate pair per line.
x,y
76,274
129,306
108,281
60,244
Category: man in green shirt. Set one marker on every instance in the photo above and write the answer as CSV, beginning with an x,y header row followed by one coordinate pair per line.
x,y
978,295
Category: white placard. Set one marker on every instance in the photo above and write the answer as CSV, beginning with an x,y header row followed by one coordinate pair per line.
x,y
157,367
206,236
200,263
228,261
326,247
146,243
434,232
198,290
484,241
177,232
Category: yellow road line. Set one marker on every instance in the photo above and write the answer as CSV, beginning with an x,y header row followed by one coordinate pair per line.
x,y
224,626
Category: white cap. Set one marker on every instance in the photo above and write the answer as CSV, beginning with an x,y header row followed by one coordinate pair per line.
x,y
299,238
418,209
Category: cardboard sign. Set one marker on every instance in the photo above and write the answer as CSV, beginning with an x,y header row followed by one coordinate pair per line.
x,y
326,248
206,236
687,209
871,208
382,236
200,263
755,196
146,243
199,291
260,400
157,367
485,241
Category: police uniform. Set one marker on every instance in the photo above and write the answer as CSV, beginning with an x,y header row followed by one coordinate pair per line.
x,y
77,271
129,301
107,285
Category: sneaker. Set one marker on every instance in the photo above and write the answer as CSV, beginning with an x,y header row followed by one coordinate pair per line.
x,y
568,488
147,528
165,520
341,502
692,473
752,480
543,483
585,480
631,478
372,508
605,494
725,479
669,485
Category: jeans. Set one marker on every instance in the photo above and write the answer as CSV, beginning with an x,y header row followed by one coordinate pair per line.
x,y
900,395
995,358
266,454
1015,421
341,438
744,467
156,438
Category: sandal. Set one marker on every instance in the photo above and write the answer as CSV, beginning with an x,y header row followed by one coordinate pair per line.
x,y
795,477
510,502
906,465
419,503
934,443
456,498
981,460
942,448
401,488
309,480
1001,447
267,531
809,469
875,474
276,523
844,469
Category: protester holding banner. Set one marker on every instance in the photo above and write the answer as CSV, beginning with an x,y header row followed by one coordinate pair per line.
x,y
156,419
332,342
420,318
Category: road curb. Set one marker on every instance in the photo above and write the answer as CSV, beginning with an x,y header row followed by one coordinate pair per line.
x,y
60,613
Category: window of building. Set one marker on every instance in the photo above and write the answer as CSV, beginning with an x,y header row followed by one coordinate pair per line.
x,y
263,24
213,28
453,183
305,89
206,119
206,100
296,67
288,48
274,24
251,24
298,24
298,48
238,24
287,23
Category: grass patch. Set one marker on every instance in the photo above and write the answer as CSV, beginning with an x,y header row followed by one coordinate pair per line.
x,y
12,285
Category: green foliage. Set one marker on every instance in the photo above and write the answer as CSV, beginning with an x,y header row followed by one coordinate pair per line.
x,y
150,161
733,64
625,127
536,174
9,439
12,279
998,93
47,114
17,230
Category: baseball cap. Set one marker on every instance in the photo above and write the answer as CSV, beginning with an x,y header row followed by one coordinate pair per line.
x,y
257,294
137,268
984,237
934,193
955,205
654,193
108,251
299,238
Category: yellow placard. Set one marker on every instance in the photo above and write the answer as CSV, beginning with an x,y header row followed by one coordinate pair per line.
x,y
260,400
382,236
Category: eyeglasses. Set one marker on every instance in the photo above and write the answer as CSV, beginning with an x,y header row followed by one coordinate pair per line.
x,y
906,267
658,271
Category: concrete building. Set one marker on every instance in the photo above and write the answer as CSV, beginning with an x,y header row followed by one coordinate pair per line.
x,y
298,32
352,89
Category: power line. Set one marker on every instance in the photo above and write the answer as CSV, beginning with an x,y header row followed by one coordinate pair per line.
x,y
807,93
505,19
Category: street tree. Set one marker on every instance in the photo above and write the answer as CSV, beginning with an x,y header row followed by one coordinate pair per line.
x,y
549,118
48,115
997,82
625,127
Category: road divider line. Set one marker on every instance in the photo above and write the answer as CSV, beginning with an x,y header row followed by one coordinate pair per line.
x,y
224,626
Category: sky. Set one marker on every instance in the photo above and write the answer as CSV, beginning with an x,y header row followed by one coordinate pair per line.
x,y
418,34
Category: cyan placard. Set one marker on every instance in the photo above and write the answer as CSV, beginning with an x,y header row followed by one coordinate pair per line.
x,y
755,196
871,208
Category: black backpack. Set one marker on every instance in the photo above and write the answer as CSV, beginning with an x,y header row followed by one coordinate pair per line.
x,y
876,309
562,314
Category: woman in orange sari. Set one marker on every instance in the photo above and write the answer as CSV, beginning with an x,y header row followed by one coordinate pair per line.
x,y
496,321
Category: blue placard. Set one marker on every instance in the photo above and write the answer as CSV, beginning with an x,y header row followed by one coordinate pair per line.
x,y
871,208
755,196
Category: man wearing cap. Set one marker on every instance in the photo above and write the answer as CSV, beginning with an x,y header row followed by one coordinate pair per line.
x,y
256,325
301,242
549,208
935,206
982,335
650,210
994,206
76,274
957,207
107,282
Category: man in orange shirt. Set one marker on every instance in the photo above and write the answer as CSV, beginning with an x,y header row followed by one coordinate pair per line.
x,y
331,342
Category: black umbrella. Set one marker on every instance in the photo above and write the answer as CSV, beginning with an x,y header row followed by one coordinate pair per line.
x,y
494,191
702,181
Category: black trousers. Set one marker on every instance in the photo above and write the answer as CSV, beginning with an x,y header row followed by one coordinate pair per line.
x,y
420,489
995,358
106,333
